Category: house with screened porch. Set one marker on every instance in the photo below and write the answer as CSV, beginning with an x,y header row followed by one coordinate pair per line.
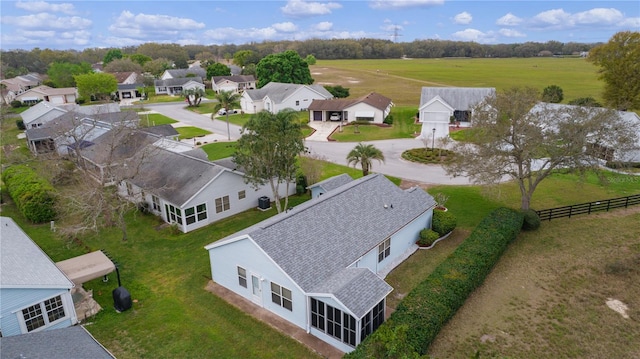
x,y
321,265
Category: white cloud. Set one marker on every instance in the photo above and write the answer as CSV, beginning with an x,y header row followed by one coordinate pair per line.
x,y
45,21
323,26
152,27
511,33
285,27
463,18
509,20
400,4
474,35
554,18
42,6
299,8
598,16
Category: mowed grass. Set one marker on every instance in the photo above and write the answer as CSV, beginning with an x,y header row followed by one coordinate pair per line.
x,y
187,132
402,80
403,126
156,119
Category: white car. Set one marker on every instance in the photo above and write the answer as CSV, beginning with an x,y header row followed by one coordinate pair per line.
x,y
334,117
223,112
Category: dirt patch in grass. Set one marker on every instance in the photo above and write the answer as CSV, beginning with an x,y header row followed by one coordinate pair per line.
x,y
547,297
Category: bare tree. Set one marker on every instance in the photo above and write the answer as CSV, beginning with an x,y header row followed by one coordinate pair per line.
x,y
520,139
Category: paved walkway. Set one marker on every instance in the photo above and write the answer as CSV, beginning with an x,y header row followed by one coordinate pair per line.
x,y
323,349
322,130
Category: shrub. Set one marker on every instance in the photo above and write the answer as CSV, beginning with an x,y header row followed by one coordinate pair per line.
x,y
430,305
20,125
388,120
33,195
443,222
531,220
426,155
427,237
16,104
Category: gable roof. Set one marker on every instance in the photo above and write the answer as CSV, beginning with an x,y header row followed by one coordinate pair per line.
x,y
23,264
356,217
161,130
49,91
233,78
176,177
460,98
195,70
123,76
372,99
177,81
333,182
278,91
44,110
71,342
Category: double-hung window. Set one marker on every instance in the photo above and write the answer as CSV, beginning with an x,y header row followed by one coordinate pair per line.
x,y
281,296
242,277
222,204
384,249
43,314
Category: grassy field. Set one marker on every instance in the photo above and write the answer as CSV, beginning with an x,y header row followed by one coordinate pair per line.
x,y
402,80
187,132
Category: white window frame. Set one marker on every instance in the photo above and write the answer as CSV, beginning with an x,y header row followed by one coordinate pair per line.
x,y
384,250
222,204
282,296
44,313
242,276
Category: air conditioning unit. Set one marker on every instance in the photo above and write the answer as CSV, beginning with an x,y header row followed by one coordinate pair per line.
x,y
264,203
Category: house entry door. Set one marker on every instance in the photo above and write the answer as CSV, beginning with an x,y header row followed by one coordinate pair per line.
x,y
256,289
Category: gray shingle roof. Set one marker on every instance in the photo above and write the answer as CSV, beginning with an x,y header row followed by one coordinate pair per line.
x,y
460,98
176,81
234,78
278,91
176,177
44,110
23,264
161,130
333,182
68,343
315,241
198,71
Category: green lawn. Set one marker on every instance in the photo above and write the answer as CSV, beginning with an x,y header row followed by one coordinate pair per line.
x,y
156,119
219,150
191,132
403,126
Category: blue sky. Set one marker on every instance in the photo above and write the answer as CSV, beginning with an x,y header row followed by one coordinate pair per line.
x,y
86,24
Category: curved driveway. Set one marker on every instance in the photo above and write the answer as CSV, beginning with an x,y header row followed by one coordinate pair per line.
x,y
335,152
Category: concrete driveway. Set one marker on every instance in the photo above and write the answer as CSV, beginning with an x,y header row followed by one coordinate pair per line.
x,y
188,118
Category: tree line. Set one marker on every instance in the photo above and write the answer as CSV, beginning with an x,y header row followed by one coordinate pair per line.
x,y
19,62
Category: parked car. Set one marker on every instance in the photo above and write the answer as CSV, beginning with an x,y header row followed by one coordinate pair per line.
x,y
223,112
334,117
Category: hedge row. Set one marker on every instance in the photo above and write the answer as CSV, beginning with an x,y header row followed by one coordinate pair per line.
x,y
33,195
428,307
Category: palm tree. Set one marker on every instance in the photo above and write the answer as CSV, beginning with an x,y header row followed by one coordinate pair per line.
x,y
364,154
227,100
194,96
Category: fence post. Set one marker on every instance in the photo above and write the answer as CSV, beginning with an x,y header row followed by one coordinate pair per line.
x,y
608,204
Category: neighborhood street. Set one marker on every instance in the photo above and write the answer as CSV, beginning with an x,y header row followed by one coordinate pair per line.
x,y
335,152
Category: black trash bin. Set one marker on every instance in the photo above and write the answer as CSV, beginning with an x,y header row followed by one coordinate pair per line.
x,y
121,299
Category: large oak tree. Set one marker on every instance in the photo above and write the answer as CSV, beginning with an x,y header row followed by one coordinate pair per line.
x,y
517,141
286,67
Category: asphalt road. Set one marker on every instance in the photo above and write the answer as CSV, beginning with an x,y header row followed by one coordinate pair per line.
x,y
335,152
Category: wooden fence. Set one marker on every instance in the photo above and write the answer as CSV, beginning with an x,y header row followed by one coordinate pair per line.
x,y
587,208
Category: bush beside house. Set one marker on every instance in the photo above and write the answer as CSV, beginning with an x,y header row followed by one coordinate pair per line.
x,y
428,307
33,195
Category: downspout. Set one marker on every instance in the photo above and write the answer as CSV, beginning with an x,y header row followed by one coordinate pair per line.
x,y
307,314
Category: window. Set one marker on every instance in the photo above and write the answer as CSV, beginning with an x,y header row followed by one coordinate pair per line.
x,y
297,103
333,321
242,277
174,214
384,249
242,194
372,320
34,316
281,296
222,204
155,201
196,214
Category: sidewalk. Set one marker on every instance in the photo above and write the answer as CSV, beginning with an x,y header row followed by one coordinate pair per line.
x,y
323,349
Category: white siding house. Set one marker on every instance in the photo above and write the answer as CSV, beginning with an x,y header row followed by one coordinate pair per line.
x,y
233,83
371,107
439,106
275,97
320,265
35,294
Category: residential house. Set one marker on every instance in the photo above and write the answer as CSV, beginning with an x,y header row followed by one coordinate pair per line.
x,y
189,191
34,293
321,264
276,96
19,84
45,111
175,86
56,96
71,342
233,83
371,107
441,107
128,83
